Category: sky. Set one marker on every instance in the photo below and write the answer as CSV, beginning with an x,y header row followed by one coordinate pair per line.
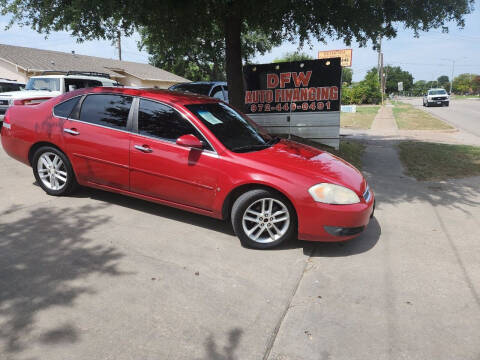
x,y
427,57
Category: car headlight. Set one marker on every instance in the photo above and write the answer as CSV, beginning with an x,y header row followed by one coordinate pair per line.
x,y
333,194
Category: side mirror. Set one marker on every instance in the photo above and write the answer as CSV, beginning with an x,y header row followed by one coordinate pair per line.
x,y
189,141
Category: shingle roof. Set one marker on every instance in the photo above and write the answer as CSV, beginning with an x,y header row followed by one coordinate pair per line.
x,y
41,60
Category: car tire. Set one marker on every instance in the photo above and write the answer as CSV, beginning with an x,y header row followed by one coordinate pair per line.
x,y
254,221
53,171
447,104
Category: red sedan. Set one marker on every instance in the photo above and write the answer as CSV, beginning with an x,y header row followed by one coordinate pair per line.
x,y
194,153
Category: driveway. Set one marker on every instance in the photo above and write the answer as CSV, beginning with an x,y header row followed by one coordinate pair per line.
x,y
102,276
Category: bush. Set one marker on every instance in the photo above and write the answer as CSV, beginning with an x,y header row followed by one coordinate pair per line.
x,y
366,91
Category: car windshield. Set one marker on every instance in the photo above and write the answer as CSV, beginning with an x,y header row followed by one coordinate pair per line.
x,y
234,130
437,92
48,84
203,89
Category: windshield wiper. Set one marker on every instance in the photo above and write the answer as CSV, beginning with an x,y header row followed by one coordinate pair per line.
x,y
269,143
251,147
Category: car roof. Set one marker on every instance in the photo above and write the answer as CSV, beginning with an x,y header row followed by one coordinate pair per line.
x,y
202,83
173,97
8,81
83,77
437,89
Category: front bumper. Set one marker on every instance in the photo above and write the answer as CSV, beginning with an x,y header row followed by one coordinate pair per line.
x,y
324,222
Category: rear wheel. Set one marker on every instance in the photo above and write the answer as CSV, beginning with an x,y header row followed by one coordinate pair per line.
x,y
53,171
263,219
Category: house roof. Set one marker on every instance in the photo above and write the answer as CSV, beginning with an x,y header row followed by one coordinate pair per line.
x,y
42,60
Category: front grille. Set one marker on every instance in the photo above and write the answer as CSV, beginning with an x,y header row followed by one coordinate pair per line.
x,y
439,98
366,194
4,102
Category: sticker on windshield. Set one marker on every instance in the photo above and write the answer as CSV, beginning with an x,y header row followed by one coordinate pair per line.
x,y
208,116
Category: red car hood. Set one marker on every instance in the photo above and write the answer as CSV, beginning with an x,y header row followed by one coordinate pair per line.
x,y
313,163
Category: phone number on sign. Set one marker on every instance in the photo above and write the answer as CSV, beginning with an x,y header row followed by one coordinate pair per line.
x,y
282,107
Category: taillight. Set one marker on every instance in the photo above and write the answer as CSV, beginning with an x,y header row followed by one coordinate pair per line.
x,y
6,121
33,101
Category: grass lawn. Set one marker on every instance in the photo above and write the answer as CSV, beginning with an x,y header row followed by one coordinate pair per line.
x,y
350,151
462,97
410,118
432,161
362,119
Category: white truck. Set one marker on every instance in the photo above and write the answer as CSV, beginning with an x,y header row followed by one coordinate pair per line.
x,y
51,84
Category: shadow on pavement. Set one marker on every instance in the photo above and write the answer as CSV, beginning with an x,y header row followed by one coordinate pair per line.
x,y
228,352
41,254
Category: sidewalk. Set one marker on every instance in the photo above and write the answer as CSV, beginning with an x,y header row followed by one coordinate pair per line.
x,y
408,288
384,127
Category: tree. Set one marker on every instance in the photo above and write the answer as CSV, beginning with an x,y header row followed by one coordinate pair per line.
x,y
419,88
394,75
464,84
366,91
347,76
201,58
444,82
293,56
177,22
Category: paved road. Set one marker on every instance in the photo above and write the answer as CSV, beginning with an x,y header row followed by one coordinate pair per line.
x,y
102,276
463,114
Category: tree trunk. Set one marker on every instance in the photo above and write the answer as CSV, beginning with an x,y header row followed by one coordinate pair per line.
x,y
233,54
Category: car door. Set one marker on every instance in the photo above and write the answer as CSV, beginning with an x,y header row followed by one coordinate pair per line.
x,y
97,140
160,168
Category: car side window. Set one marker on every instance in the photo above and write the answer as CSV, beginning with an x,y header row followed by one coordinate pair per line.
x,y
217,93
164,122
106,110
65,108
225,93
93,83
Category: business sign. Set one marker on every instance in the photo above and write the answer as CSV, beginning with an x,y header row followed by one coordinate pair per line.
x,y
400,86
345,55
300,98
298,86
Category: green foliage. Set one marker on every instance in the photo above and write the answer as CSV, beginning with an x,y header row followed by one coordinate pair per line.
x,y
443,82
466,84
419,88
293,56
366,91
394,75
347,74
201,58
175,23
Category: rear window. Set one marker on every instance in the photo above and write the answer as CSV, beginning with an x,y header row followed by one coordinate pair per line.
x,y
65,108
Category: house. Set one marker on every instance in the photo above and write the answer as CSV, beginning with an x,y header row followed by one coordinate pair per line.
x,y
19,63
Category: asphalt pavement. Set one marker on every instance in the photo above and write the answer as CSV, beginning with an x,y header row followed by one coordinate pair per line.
x,y
102,276
463,114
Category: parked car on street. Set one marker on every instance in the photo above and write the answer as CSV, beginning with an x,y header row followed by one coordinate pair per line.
x,y
194,153
216,89
49,85
436,97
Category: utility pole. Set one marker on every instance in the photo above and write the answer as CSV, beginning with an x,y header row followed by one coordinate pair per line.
x,y
451,80
119,44
382,77
379,49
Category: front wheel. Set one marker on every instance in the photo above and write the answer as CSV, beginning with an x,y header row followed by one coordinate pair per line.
x,y
263,219
53,171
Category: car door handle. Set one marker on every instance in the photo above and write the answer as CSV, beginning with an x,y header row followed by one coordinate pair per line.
x,y
143,148
71,131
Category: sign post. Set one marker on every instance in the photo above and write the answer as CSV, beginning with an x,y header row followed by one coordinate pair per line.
x,y
299,98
